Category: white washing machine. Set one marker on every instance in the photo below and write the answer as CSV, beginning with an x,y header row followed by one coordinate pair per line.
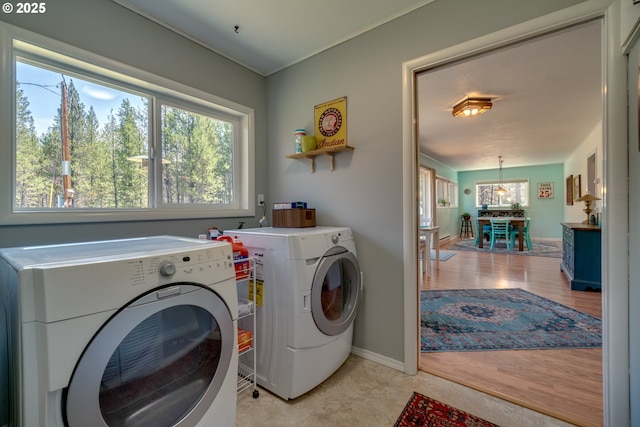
x,y
308,289
135,332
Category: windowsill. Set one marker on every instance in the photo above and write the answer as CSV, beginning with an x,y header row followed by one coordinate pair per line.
x,y
70,216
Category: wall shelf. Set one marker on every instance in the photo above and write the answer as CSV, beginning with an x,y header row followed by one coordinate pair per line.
x,y
311,155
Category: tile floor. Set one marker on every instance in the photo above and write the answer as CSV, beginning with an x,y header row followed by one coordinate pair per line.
x,y
365,393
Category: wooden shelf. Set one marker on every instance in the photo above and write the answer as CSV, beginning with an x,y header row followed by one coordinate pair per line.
x,y
311,155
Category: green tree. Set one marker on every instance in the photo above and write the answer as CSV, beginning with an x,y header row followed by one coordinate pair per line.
x,y
132,182
31,188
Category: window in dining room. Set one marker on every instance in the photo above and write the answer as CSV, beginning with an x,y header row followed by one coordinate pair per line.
x,y
446,193
425,186
517,192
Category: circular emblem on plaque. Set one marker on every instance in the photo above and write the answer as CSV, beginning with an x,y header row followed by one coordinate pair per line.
x,y
330,122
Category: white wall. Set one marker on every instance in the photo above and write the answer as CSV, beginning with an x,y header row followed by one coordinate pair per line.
x,y
365,190
576,164
634,229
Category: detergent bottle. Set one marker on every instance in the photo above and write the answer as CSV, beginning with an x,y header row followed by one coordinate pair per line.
x,y
240,252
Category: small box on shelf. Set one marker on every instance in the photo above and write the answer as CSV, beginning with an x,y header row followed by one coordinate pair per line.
x,y
244,340
294,218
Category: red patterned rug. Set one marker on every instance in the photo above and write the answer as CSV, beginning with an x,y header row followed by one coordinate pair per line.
x,y
424,411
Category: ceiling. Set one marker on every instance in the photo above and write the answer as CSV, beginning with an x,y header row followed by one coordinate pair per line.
x,y
272,34
546,92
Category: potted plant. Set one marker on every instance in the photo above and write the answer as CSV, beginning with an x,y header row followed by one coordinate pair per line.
x,y
442,201
516,206
465,216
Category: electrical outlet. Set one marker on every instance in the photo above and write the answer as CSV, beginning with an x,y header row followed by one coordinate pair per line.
x,y
261,199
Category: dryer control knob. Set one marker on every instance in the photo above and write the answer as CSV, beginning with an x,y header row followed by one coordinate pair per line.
x,y
335,239
167,268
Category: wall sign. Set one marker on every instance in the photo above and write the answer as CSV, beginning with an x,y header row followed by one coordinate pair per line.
x,y
331,124
545,190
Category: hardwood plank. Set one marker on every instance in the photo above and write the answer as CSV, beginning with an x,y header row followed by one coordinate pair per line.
x,y
566,383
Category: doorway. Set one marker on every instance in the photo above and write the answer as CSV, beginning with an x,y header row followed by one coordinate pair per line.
x,y
452,151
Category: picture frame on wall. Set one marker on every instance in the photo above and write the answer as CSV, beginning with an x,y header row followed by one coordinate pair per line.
x,y
569,190
577,187
545,190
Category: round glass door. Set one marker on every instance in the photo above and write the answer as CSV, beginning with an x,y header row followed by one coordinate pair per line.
x,y
159,362
335,291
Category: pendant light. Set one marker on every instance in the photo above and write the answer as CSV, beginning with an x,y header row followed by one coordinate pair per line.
x,y
500,190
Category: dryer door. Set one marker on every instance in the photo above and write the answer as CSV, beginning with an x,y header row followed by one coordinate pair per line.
x,y
335,291
160,361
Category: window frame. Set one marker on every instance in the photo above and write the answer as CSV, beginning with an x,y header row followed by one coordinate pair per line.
x,y
447,189
162,90
426,183
502,204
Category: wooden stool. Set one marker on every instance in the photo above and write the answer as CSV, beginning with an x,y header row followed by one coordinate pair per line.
x,y
466,228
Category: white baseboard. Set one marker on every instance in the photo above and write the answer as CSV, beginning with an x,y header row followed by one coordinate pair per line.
x,y
378,358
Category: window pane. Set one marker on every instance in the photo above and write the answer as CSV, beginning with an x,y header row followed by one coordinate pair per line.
x,y
517,192
197,153
79,143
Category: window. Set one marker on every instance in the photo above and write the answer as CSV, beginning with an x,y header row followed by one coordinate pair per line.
x,y
446,193
91,140
424,204
517,192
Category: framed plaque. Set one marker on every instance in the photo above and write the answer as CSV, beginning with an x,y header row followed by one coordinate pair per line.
x,y
331,124
545,190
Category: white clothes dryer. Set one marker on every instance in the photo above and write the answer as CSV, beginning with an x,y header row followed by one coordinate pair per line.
x,y
308,288
135,332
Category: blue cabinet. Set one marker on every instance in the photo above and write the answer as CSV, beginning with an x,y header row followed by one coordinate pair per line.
x,y
581,256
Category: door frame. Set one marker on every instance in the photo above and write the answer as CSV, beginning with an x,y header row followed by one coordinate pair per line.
x,y
615,205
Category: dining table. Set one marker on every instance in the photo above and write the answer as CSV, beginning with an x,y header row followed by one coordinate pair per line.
x,y
432,236
515,222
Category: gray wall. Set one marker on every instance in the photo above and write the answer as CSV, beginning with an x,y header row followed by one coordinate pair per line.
x,y
365,190
108,29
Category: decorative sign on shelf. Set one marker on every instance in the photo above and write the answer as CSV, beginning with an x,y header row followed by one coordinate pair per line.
x,y
331,124
545,190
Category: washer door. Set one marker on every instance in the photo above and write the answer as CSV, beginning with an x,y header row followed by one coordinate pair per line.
x,y
335,291
158,362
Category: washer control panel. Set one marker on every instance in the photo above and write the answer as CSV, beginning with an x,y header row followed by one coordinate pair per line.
x,y
206,265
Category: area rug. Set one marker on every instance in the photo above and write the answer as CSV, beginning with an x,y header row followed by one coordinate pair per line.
x,y
444,255
425,411
546,248
501,319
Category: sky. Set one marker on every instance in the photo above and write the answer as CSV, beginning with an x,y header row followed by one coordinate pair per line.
x,y
44,102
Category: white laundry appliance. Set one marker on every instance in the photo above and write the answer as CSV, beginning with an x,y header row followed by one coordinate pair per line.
x,y
135,332
307,292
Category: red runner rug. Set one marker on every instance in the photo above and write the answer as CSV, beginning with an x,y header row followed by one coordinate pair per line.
x,y
424,411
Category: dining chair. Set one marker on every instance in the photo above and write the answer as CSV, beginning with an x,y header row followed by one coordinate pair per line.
x,y
481,234
501,228
525,234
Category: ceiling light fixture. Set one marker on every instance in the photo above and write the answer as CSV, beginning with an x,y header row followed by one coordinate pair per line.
x,y
500,190
470,107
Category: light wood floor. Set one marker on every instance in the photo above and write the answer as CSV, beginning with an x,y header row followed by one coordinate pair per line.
x,y
566,384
